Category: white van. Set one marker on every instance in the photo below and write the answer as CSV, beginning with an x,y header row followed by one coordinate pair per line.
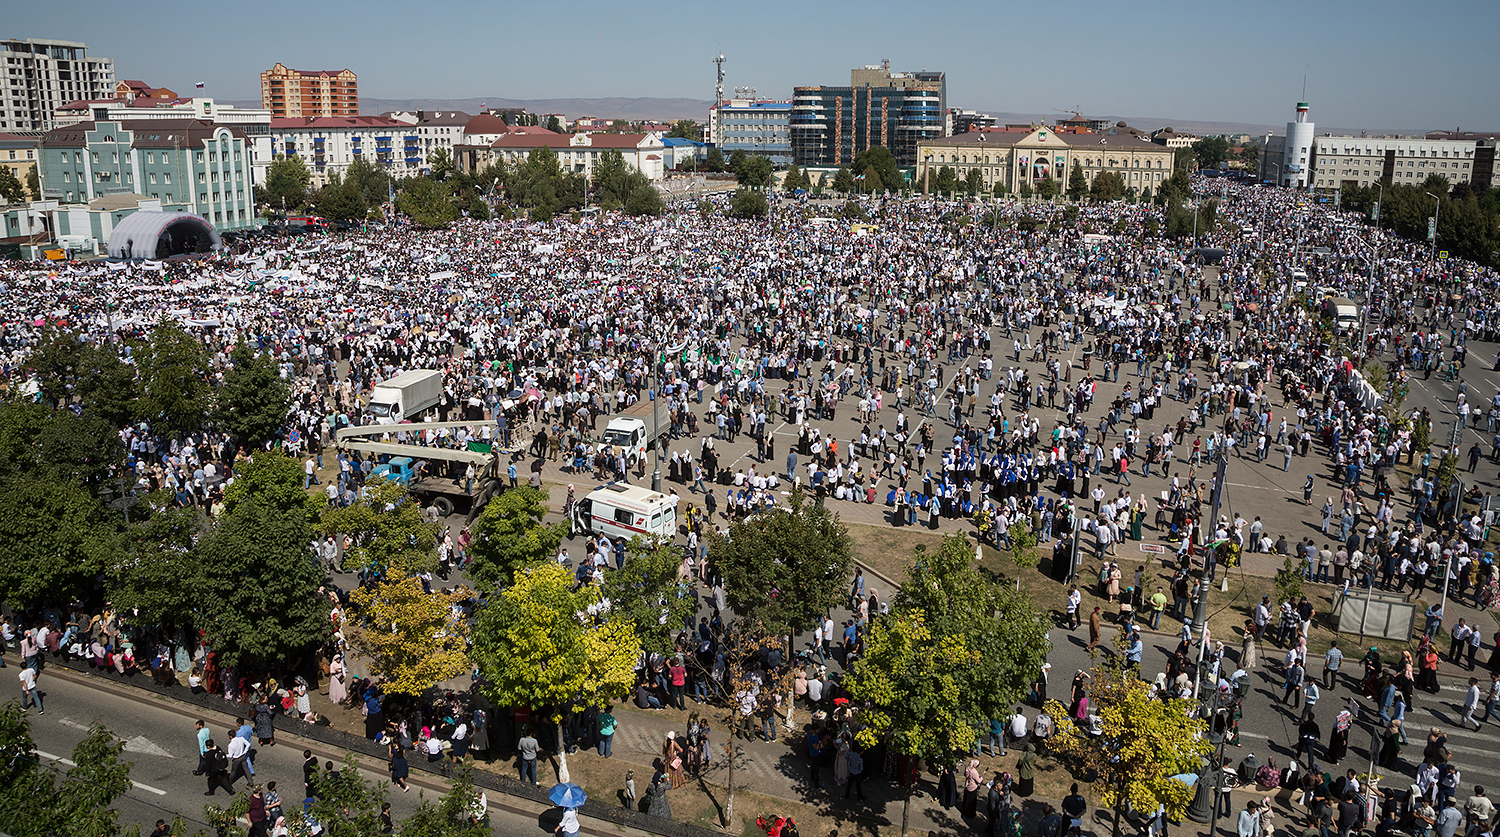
x,y
621,510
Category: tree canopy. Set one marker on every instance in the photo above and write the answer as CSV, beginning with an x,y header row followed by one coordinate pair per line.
x,y
36,801
884,163
413,639
509,537
287,182
252,402
426,203
649,594
784,567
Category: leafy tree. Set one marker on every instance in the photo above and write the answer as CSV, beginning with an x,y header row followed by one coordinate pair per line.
x,y
67,367
173,366
1250,155
1047,187
1175,188
974,182
479,210
341,200
272,478
256,588
1107,186
619,126
843,181
34,183
1078,187
252,402
426,203
554,124
1144,743
37,441
755,172
643,198
1289,581
748,203
1025,190
387,531
1023,545
372,183
870,183
413,639
509,537
1211,152
786,567
540,185
685,129
11,189
539,644
945,183
649,593
910,699
347,804
1183,159
450,815
287,182
852,211
714,161
610,175
440,163
60,537
792,180
152,574
880,158
35,801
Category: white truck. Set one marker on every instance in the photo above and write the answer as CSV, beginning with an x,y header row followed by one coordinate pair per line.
x,y
406,396
1343,311
632,430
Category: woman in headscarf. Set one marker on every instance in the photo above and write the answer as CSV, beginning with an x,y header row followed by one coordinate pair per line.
x,y
1249,655
1338,740
970,805
1026,770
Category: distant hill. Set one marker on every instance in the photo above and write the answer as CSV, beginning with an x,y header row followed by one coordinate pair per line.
x,y
608,108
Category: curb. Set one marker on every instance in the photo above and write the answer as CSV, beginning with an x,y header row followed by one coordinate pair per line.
x,y
347,742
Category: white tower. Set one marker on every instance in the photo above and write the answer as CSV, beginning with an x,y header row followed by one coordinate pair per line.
x,y
1296,154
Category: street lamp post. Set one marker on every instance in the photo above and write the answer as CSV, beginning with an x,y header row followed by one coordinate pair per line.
x,y
1200,610
1435,213
655,412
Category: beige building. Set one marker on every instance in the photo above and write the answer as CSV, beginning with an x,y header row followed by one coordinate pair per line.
x,y
18,154
309,93
1363,161
1012,159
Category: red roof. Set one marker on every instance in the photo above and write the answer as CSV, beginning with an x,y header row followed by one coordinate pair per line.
x,y
83,104
486,123
133,84
288,122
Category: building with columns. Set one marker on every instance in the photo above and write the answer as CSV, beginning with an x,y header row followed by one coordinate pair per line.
x,y
178,166
1012,159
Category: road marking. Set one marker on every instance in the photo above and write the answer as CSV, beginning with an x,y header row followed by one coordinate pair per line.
x,y
71,763
139,744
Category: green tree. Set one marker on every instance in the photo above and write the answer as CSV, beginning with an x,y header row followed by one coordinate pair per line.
x,y
1145,742
785,567
883,161
36,801
945,183
554,124
1249,155
426,203
387,531
974,182
619,126
1025,190
685,129
1183,159
870,182
345,802
714,161
287,182
450,815
256,590
479,210
68,367
1175,188
649,594
60,538
643,198
272,478
755,172
175,394
37,441
748,203
509,537
34,183
372,183
843,181
537,644
439,163
152,572
11,189
1107,186
610,180
1078,187
252,402
341,200
792,180
1047,187
1211,152
412,638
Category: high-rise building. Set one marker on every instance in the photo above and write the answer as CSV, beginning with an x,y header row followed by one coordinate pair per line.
x,y
755,127
832,125
309,93
37,76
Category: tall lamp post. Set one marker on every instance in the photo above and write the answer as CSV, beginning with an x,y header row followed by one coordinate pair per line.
x,y
1200,610
655,413
1435,213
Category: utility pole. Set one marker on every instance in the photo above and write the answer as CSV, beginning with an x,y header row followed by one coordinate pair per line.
x,y
1200,611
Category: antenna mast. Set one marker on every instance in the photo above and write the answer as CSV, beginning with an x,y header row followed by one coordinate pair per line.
x,y
719,85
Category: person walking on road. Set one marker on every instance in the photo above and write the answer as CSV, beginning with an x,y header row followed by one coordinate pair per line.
x,y
30,694
202,738
218,770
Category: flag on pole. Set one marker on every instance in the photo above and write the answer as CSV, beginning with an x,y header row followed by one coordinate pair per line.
x,y
199,85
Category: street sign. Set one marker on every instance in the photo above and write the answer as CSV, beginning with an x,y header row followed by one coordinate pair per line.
x,y
1375,212
1153,548
1442,254
1432,229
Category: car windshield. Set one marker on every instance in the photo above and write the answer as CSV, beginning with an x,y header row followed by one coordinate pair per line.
x,y
379,409
617,437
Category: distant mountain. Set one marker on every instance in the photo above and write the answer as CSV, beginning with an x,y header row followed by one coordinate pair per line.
x,y
609,108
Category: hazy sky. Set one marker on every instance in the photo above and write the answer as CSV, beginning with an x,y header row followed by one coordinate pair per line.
x,y
1373,64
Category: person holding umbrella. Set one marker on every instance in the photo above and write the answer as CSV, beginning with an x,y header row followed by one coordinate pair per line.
x,y
569,797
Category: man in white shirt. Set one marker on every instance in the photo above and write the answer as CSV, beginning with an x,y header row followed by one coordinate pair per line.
x,y
29,692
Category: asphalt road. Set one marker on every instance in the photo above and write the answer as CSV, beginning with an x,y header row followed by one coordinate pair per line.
x,y
159,740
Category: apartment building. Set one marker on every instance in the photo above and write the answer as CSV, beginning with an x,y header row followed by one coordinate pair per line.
x,y
310,94
38,76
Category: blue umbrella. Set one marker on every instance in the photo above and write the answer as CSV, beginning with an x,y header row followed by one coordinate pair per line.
x,y
1189,779
567,795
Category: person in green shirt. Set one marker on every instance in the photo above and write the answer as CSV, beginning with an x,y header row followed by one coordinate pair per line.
x,y
607,724
1158,605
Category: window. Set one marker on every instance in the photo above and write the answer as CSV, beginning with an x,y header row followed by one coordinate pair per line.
x,y
65,178
624,516
151,178
202,197
202,178
166,158
166,177
94,155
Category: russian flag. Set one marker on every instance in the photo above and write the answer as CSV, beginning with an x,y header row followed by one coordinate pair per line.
x,y
199,85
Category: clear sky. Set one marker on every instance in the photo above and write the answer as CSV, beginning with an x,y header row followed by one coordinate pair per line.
x,y
1372,64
